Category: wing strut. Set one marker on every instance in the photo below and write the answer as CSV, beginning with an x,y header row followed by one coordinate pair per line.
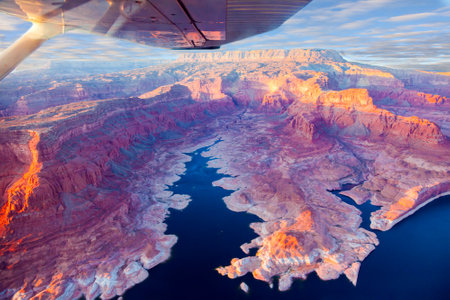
x,y
25,45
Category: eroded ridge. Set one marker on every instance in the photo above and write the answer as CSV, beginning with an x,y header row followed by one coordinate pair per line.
x,y
293,127
305,228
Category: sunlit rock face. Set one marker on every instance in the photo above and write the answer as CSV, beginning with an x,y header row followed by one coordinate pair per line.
x,y
83,184
32,95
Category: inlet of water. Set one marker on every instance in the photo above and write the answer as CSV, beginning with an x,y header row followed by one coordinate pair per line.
x,y
411,261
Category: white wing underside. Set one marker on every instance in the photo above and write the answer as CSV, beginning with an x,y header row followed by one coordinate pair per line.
x,y
174,24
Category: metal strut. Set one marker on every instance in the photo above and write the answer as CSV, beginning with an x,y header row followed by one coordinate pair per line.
x,y
26,44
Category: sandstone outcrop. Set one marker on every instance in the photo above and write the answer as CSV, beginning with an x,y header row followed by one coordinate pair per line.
x,y
304,55
244,287
83,184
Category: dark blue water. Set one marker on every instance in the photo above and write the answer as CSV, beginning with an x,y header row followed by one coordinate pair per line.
x,y
209,235
411,262
365,208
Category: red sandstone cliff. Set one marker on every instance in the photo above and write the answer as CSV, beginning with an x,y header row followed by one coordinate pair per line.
x,y
293,125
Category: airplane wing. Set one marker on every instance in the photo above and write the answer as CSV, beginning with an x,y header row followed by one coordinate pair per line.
x,y
174,24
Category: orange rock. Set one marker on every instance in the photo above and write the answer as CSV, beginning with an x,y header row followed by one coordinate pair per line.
x,y
293,126
21,190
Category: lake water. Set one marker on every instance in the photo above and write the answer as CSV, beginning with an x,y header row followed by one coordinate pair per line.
x,y
411,261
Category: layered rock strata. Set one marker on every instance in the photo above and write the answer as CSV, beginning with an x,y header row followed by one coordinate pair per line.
x,y
89,218
83,184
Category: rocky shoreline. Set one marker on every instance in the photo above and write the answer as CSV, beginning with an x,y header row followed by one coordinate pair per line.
x,y
291,129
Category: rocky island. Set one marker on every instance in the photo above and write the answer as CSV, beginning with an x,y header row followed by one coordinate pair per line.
x,y
85,164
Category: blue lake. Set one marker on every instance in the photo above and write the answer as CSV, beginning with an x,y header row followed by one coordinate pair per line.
x,y
411,261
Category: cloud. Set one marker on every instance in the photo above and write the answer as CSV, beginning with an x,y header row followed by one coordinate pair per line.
x,y
350,8
371,31
357,24
411,17
328,11
9,23
408,34
385,32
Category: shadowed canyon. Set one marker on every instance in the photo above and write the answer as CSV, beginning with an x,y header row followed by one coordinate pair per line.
x,y
86,163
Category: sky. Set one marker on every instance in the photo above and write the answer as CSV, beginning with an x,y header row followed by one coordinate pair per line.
x,y
412,34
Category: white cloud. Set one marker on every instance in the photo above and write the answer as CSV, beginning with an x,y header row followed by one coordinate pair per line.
x,y
9,23
357,24
389,32
411,17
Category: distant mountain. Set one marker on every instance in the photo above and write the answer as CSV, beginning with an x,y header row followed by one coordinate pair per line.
x,y
300,55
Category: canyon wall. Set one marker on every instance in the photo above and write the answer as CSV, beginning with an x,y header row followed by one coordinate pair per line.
x,y
84,174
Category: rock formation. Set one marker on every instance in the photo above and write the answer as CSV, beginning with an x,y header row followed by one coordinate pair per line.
x,y
83,184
